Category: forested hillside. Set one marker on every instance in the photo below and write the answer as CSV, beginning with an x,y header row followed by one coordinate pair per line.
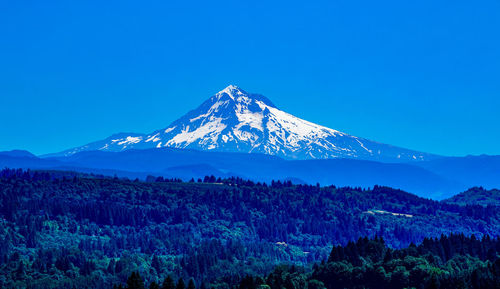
x,y
64,230
450,262
476,196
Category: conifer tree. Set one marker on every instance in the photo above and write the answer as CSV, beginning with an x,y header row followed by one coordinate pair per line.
x,y
135,281
168,283
180,284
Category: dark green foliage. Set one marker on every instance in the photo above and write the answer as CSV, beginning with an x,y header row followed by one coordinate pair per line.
x,y
135,281
168,283
435,263
476,196
64,230
180,284
370,264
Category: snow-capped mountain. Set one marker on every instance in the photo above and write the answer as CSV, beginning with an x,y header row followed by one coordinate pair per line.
x,y
236,121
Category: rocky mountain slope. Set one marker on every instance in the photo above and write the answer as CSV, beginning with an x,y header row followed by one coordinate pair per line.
x,y
236,121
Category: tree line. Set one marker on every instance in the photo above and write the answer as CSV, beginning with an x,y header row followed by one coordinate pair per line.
x,y
66,229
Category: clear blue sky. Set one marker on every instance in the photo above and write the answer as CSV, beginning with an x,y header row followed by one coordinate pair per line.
x,y
418,74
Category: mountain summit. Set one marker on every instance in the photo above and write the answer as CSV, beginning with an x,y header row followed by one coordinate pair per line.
x,y
236,121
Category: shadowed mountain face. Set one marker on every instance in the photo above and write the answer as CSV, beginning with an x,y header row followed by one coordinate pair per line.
x,y
236,121
185,164
235,133
437,179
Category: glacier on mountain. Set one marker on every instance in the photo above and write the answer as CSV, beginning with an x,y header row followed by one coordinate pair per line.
x,y
236,121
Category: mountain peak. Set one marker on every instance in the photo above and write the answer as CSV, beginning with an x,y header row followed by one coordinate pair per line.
x,y
233,91
238,95
234,120
230,89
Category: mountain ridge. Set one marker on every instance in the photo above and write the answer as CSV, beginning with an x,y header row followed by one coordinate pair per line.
x,y
476,196
188,163
234,120
431,179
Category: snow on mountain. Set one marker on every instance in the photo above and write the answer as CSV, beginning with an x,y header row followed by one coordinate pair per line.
x,y
236,121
